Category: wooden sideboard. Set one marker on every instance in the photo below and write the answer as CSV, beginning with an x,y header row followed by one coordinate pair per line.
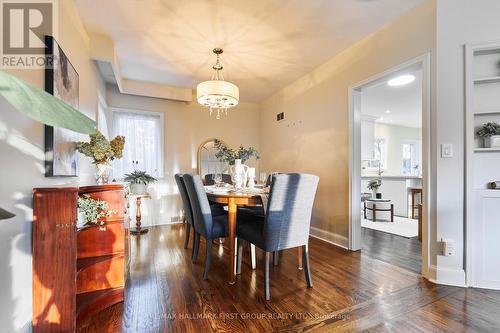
x,y
76,271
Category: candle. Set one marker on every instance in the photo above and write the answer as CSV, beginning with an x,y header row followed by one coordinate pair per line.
x,y
251,173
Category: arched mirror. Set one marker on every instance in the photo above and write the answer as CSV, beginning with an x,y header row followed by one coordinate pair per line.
x,y
207,162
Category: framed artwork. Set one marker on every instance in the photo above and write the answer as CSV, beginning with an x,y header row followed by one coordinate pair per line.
x,y
62,81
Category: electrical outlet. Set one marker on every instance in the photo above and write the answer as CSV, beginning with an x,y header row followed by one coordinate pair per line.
x,y
280,116
447,247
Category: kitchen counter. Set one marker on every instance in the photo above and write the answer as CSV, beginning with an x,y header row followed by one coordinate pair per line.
x,y
391,177
395,188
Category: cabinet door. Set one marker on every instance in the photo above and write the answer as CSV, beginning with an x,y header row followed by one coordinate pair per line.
x,y
485,235
54,260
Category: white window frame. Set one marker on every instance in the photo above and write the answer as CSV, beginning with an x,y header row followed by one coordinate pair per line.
x,y
115,110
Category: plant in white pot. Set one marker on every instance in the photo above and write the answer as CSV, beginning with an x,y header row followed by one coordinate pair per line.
x,y
374,185
490,132
139,181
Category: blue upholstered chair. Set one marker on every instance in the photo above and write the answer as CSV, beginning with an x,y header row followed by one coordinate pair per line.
x,y
206,225
187,207
286,224
216,210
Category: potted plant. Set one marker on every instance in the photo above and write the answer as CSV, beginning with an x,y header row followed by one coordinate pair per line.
x,y
139,180
226,154
373,185
102,152
490,132
92,211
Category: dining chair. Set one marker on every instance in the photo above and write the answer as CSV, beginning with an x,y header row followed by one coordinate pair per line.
x,y
210,179
286,224
205,225
216,210
186,206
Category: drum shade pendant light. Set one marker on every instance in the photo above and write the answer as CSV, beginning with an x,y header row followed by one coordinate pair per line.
x,y
216,94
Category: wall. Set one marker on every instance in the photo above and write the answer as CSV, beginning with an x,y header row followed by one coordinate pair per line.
x,y
458,22
21,148
395,136
314,135
186,126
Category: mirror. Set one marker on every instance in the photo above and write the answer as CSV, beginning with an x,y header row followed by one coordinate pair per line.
x,y
207,162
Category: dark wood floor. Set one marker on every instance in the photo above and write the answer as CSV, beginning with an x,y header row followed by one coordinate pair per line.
x,y
352,292
400,251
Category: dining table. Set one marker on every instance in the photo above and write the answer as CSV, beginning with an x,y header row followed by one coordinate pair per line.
x,y
234,198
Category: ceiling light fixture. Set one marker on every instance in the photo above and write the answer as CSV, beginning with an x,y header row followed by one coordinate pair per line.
x,y
387,111
401,80
217,94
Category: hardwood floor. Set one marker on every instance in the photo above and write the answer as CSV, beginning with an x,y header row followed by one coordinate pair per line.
x,y
352,292
400,251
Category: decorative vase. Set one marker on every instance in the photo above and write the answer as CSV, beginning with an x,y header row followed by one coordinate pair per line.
x,y
102,173
492,142
239,174
374,194
138,188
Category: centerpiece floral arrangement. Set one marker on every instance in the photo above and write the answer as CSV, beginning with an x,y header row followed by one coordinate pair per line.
x,y
93,211
102,151
226,154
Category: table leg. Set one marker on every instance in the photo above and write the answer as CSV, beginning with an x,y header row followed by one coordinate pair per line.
x,y
299,257
138,217
231,219
413,204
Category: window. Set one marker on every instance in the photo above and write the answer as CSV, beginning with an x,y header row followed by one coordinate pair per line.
x,y
143,133
411,158
379,155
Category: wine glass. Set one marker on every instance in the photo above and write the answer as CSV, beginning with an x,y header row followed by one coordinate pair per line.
x,y
218,178
263,178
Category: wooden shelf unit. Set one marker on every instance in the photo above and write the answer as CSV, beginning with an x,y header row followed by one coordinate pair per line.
x,y
76,271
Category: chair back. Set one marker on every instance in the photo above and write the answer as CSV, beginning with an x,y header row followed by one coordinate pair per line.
x,y
202,215
210,179
188,212
289,210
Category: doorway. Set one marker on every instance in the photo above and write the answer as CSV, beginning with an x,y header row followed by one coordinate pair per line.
x,y
389,165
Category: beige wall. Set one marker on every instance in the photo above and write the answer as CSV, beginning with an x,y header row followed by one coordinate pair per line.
x,y
186,126
21,148
314,135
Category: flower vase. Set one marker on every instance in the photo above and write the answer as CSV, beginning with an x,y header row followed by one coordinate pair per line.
x,y
374,194
102,173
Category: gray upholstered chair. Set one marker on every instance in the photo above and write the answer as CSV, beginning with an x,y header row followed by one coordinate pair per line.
x,y
210,180
206,225
286,224
186,205
216,210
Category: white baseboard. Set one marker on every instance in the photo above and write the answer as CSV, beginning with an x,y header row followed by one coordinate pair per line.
x,y
330,237
447,276
27,328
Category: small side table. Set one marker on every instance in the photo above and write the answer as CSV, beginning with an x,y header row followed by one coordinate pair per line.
x,y
138,230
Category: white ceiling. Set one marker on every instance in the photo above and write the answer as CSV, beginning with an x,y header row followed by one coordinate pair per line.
x,y
267,43
403,102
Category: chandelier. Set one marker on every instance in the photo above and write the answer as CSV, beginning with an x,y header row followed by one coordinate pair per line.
x,y
216,94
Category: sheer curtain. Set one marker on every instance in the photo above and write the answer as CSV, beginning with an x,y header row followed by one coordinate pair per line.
x,y
143,142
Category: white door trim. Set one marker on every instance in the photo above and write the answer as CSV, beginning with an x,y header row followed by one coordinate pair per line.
x,y
355,157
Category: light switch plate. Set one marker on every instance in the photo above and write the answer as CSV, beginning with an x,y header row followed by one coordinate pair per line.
x,y
446,150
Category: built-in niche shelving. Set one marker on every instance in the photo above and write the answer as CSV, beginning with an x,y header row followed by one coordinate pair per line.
x,y
482,165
